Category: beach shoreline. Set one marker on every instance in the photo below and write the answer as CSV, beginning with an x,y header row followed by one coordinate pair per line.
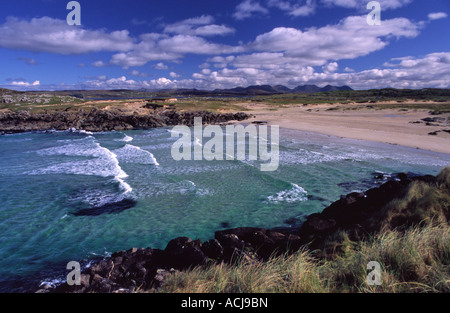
x,y
311,137
408,128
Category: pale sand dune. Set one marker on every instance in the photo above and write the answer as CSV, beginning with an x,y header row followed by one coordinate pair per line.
x,y
388,125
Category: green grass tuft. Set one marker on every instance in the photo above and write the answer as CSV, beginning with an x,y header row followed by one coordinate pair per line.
x,y
414,256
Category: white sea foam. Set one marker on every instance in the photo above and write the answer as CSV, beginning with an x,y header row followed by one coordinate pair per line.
x,y
62,279
186,170
119,173
77,140
74,130
82,131
96,197
101,162
160,146
133,154
196,141
53,282
292,195
185,187
128,138
76,147
305,151
304,156
125,139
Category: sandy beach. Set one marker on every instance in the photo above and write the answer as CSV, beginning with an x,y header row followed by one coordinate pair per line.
x,y
393,126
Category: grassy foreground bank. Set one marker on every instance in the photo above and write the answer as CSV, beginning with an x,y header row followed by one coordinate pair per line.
x,y
414,255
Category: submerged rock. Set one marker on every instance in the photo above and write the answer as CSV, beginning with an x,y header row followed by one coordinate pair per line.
x,y
125,271
108,208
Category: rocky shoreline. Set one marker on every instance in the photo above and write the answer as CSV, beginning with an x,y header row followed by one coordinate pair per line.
x,y
359,214
98,120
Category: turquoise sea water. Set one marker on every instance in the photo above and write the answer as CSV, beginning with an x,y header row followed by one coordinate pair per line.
x,y
74,196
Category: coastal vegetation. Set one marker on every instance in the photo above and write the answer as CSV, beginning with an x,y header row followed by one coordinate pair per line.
x,y
403,225
415,260
435,100
412,246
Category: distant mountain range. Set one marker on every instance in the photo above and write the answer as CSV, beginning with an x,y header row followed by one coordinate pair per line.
x,y
142,93
263,90
440,95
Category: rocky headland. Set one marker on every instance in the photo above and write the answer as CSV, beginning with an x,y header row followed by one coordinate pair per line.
x,y
97,120
359,215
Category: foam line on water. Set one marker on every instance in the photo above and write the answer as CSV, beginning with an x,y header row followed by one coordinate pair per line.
x,y
185,187
120,173
99,161
71,130
195,142
152,157
134,154
125,139
292,195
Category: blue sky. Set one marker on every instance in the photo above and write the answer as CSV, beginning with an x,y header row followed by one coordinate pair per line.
x,y
207,44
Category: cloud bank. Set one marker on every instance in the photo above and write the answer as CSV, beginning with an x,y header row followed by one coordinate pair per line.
x,y
284,55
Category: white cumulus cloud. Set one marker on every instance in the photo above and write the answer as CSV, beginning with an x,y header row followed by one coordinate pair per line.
x,y
350,38
199,26
294,8
437,15
361,4
55,36
25,84
249,8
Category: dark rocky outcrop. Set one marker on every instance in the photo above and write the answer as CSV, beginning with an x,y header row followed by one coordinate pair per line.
x,y
172,118
103,120
182,253
357,213
127,271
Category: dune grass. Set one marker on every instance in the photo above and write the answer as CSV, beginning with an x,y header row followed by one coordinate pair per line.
x,y
415,261
413,258
288,273
215,106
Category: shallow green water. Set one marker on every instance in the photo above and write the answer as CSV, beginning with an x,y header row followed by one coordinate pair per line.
x,y
47,178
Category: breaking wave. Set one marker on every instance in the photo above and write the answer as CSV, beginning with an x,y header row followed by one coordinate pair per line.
x,y
98,161
292,195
